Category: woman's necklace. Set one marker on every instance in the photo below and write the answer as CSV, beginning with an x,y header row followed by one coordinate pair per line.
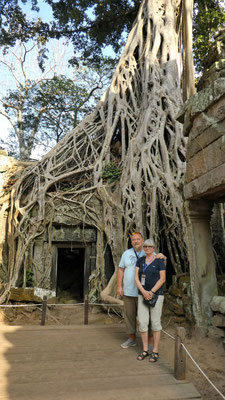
x,y
150,261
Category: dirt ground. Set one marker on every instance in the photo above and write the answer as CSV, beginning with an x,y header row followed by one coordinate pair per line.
x,y
208,353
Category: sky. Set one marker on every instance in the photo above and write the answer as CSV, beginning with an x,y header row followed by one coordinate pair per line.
x,y
46,14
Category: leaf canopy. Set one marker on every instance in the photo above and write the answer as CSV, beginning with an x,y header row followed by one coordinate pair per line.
x,y
92,25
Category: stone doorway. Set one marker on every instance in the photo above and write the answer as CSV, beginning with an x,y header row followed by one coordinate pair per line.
x,y
70,273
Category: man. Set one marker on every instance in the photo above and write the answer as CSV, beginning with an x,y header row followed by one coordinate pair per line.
x,y
127,288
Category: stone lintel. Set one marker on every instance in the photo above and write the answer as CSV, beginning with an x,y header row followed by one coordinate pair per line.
x,y
210,185
71,233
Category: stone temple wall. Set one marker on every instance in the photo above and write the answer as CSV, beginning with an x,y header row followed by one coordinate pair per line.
x,y
203,118
205,175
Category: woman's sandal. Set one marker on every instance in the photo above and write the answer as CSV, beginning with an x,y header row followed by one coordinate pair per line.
x,y
153,357
142,355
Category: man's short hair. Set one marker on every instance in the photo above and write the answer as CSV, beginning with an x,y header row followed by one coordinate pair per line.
x,y
136,233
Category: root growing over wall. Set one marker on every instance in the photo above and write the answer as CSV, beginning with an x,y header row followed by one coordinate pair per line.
x,y
121,168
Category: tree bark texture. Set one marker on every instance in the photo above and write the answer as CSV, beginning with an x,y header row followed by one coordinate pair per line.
x,y
188,74
133,128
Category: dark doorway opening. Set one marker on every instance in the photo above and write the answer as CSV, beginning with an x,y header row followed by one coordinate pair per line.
x,y
70,274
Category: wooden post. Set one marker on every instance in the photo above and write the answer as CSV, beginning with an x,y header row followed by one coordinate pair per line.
x,y
86,309
44,307
180,355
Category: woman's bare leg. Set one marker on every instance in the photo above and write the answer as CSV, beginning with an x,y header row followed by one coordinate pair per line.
x,y
144,338
156,336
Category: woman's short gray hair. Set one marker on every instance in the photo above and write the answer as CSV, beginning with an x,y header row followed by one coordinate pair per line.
x,y
149,242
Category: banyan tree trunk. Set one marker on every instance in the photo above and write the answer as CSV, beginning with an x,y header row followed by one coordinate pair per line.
x,y
132,130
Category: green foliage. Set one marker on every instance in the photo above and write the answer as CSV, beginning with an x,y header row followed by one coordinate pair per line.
x,y
111,172
29,278
91,25
14,25
208,16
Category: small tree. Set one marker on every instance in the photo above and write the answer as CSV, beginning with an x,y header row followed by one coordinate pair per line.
x,y
43,110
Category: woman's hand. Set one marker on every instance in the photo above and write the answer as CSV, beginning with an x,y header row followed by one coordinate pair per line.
x,y
147,295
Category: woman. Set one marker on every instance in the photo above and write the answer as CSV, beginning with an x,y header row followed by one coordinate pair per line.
x,y
150,275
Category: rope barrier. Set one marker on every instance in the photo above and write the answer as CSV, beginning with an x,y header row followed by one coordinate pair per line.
x,y
196,364
19,305
58,304
64,304
90,304
168,334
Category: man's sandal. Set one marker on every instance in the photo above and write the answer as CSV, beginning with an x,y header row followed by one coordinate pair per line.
x,y
153,357
143,355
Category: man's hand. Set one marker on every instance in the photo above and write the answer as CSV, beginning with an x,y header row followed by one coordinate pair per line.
x,y
120,291
120,281
162,257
